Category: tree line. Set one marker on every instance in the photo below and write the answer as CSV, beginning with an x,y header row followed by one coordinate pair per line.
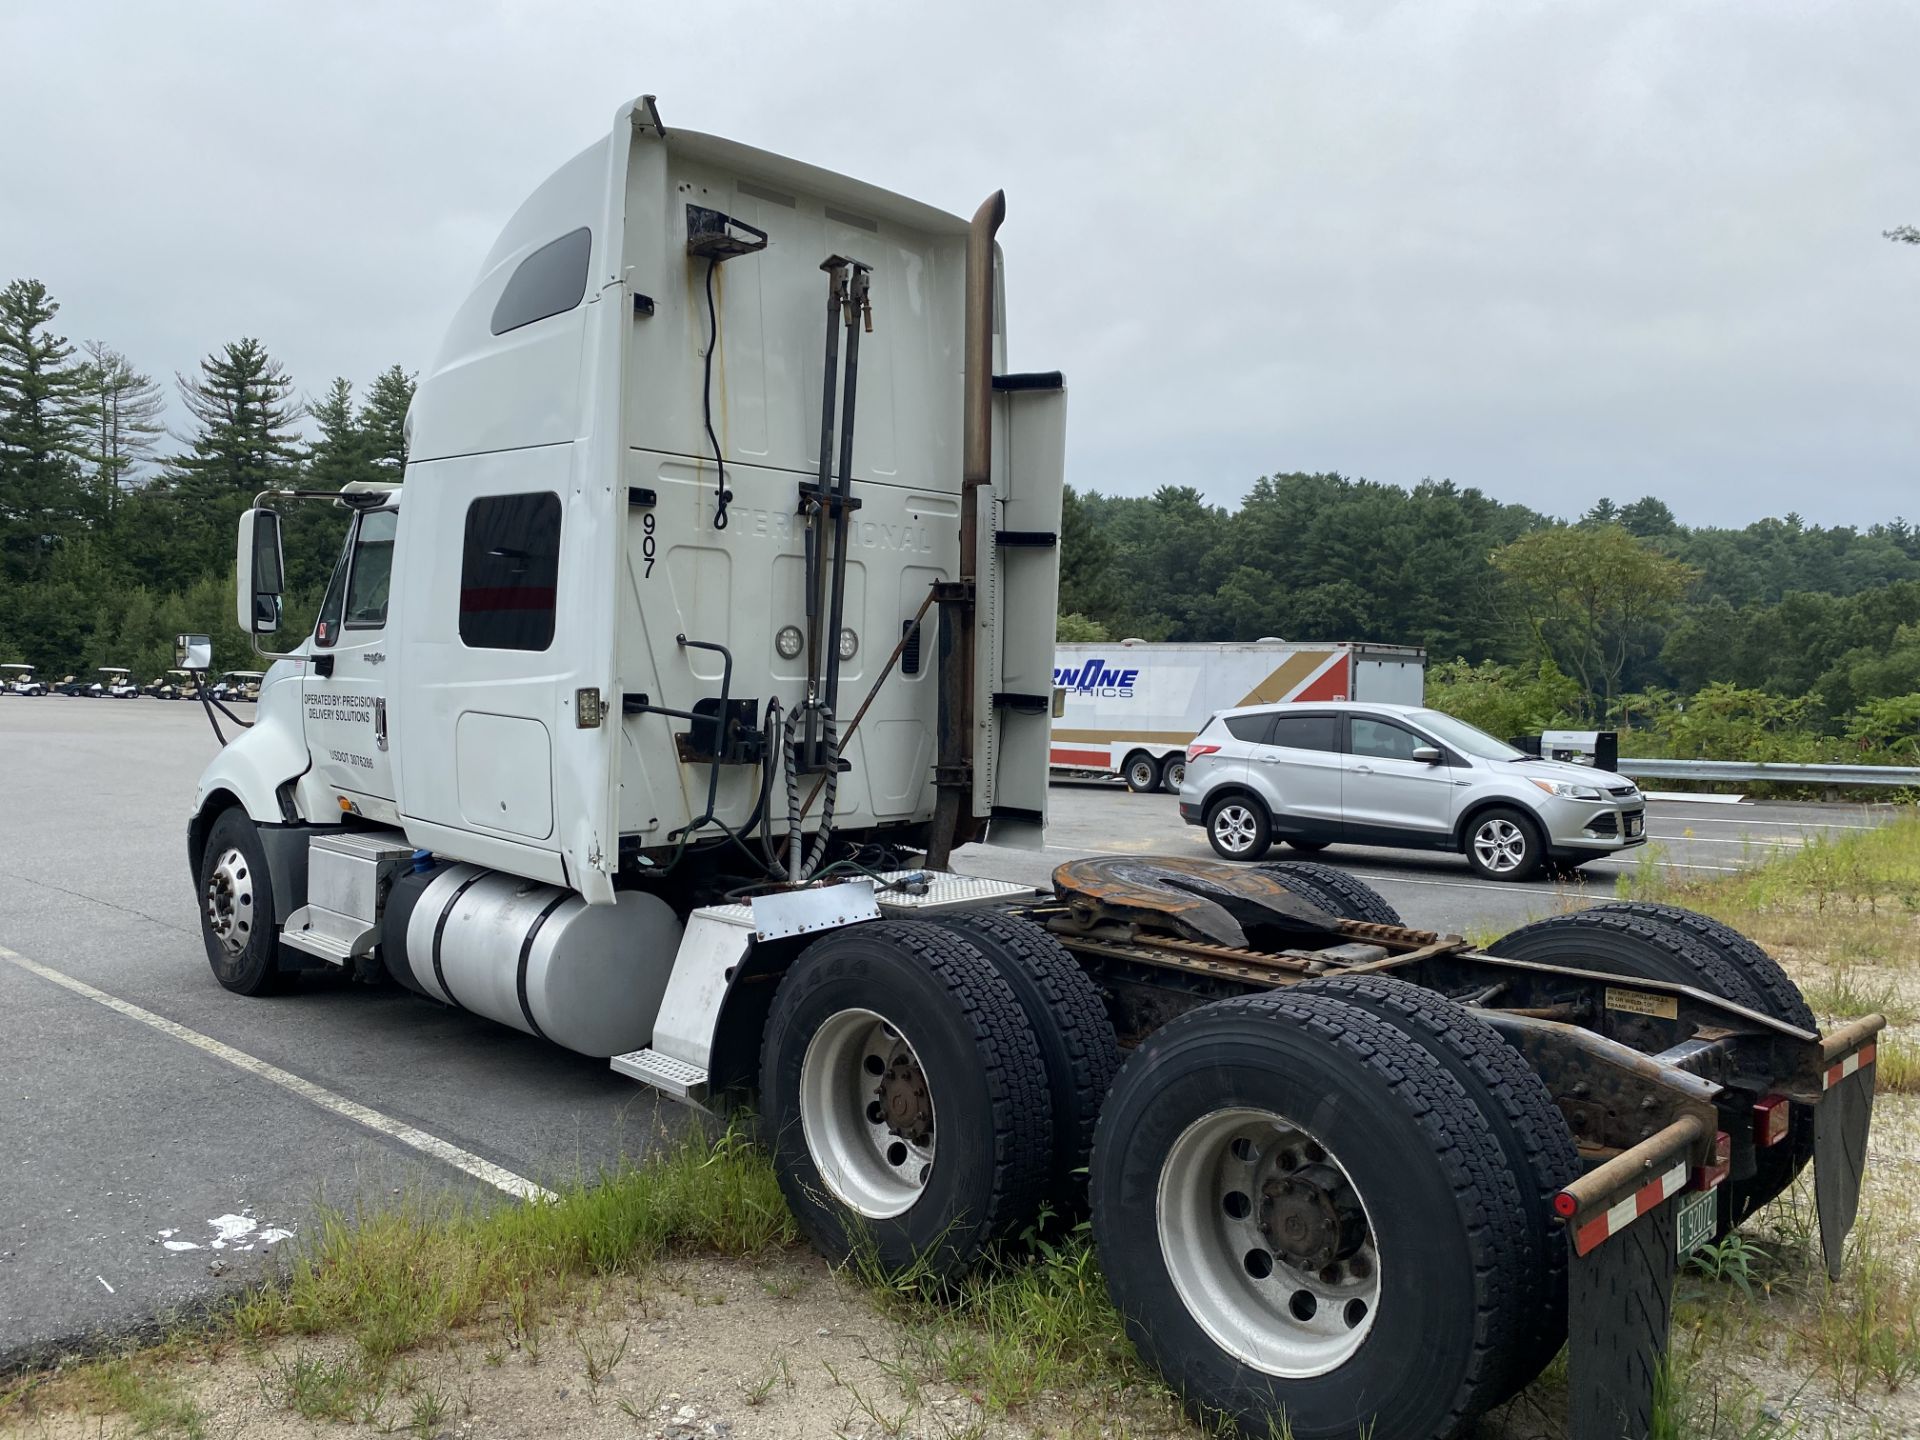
x,y
1624,617
116,534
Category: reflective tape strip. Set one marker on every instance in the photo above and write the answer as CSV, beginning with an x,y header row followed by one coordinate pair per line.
x,y
1615,1218
1836,1073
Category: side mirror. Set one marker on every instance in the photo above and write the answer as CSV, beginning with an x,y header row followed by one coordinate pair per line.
x,y
258,571
192,652
1427,755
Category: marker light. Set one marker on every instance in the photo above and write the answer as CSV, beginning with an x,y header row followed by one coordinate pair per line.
x,y
849,644
789,641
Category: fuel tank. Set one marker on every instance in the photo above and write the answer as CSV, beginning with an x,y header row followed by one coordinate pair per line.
x,y
533,956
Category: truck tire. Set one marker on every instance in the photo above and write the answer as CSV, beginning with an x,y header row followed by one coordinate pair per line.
x,y
1783,997
1504,844
1623,941
904,1099
1238,828
1530,1129
1334,891
1256,1158
1078,1049
1173,774
1141,772
236,908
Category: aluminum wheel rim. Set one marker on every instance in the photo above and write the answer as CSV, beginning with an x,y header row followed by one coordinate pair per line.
x,y
1234,828
1500,846
1223,1215
230,902
866,1112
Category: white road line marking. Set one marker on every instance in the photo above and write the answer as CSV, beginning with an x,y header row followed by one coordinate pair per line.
x,y
1759,842
517,1186
1771,824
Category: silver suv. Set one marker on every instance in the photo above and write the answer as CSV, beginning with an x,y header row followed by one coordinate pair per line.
x,y
1355,774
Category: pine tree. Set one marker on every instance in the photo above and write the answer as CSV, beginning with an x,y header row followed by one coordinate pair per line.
x,y
126,423
383,420
242,403
44,419
339,455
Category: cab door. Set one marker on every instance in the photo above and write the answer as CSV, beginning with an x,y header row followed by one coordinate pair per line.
x,y
344,693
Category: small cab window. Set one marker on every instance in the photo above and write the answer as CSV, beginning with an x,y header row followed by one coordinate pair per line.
x,y
509,572
1306,732
1251,728
1381,739
372,574
550,281
326,630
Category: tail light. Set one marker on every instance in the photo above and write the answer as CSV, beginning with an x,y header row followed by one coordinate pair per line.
x,y
1196,750
1772,1117
1705,1177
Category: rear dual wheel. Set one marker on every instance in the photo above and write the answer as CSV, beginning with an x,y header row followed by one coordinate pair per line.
x,y
929,1087
1292,1195
1666,942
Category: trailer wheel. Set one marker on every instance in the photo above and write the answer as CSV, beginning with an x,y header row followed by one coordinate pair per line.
x,y
1334,891
1530,1129
1632,940
1291,1197
1173,774
1238,828
904,1098
1505,844
1142,773
1071,1025
236,908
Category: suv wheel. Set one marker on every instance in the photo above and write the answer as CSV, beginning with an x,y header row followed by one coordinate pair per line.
x,y
1238,829
1505,844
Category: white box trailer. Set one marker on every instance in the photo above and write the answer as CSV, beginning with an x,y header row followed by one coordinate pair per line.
x,y
1131,708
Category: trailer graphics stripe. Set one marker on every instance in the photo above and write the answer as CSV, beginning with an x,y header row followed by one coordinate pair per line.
x,y
1840,1071
1619,1216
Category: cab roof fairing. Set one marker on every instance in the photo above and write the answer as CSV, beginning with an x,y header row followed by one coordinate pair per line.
x,y
589,190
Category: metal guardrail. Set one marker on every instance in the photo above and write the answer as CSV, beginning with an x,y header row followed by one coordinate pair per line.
x,y
1834,775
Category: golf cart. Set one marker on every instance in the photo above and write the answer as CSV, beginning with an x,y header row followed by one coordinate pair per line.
x,y
171,686
73,686
18,679
115,683
238,685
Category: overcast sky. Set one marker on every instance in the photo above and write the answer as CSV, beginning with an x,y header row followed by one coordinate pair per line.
x,y
1554,250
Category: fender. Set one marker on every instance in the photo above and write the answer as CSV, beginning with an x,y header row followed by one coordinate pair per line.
x,y
257,763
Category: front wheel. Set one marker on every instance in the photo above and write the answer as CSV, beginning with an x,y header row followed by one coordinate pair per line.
x,y
1238,829
1505,844
236,908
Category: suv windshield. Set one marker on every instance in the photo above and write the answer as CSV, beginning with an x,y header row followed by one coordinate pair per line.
x,y
1463,737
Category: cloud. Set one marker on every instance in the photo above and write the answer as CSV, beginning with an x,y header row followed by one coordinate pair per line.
x,y
1552,249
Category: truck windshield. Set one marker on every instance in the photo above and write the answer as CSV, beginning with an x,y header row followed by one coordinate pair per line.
x,y
1468,739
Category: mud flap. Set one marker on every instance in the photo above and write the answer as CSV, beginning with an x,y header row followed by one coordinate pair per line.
x,y
1840,1153
1619,1312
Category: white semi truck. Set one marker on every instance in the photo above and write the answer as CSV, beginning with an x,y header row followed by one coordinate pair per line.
x,y
645,715
1132,708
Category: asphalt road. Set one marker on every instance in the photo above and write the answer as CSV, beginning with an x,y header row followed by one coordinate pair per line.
x,y
131,1141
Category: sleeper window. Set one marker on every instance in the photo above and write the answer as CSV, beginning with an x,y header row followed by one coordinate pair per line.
x,y
509,570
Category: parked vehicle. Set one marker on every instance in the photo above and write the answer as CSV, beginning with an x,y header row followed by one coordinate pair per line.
x,y
115,683
1401,776
171,686
1132,709
1322,1200
237,685
73,686
19,679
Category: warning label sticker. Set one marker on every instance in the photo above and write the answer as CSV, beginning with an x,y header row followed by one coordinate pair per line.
x,y
1639,1002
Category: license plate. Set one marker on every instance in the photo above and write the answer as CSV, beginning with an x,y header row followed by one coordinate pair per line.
x,y
1694,1222
1635,824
